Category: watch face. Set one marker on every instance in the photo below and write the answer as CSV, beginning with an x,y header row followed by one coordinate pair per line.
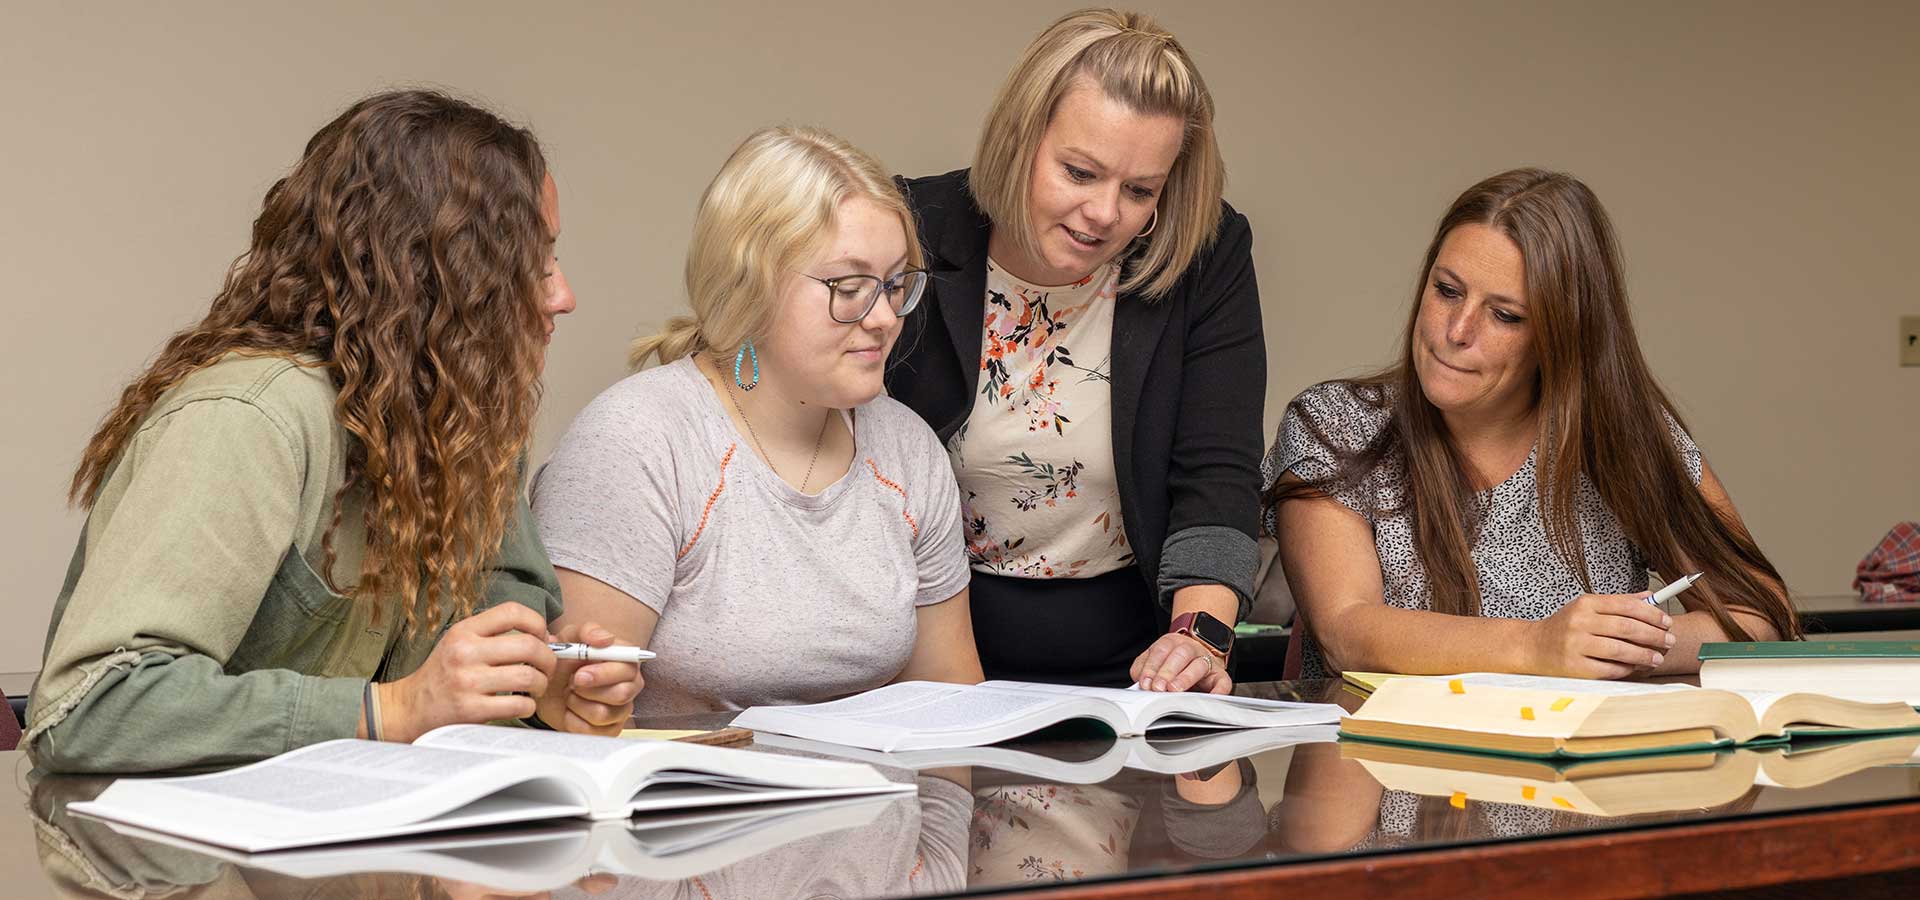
x,y
1213,631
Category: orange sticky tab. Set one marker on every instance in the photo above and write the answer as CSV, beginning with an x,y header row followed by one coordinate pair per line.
x,y
1526,712
1526,793
1456,687
1561,704
1458,800
1562,803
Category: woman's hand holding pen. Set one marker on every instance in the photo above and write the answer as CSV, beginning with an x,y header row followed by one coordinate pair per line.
x,y
1599,636
486,667
590,697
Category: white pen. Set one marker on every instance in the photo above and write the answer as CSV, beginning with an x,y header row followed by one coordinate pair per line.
x,y
1673,589
601,654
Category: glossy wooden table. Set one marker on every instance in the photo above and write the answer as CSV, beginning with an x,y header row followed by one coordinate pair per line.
x,y
1301,821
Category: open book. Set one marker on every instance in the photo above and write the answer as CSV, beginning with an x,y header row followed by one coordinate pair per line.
x,y
462,776
922,715
1625,785
550,855
1166,754
1871,671
1525,715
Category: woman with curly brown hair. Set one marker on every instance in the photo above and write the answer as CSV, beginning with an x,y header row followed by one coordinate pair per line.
x,y
296,510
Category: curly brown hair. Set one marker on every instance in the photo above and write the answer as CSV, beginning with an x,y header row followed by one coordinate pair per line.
x,y
404,253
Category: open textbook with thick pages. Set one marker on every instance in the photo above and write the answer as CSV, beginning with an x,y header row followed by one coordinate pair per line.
x,y
1165,754
463,776
550,855
1526,715
1870,671
922,715
1624,785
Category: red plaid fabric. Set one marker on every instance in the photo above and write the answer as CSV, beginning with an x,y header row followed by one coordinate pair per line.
x,y
1891,573
9,730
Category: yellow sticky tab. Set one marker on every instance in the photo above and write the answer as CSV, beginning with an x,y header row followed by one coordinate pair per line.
x,y
1562,803
1456,687
1526,712
1458,800
1561,704
1526,793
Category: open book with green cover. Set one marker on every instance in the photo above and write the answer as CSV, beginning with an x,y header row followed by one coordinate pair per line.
x,y
1624,785
463,776
924,715
1871,671
1526,715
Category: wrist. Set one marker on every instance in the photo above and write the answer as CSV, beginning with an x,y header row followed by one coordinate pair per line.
x,y
395,719
1524,653
1214,636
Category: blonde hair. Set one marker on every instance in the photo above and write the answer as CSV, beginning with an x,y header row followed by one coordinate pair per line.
x,y
1140,65
770,208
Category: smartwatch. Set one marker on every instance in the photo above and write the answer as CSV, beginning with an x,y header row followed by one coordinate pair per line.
x,y
1216,635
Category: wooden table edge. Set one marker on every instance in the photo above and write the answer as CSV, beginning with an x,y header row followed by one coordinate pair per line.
x,y
1644,862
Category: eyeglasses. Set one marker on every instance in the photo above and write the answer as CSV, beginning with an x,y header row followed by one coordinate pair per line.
x,y
851,297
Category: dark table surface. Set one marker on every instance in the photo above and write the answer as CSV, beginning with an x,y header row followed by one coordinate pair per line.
x,y
1308,818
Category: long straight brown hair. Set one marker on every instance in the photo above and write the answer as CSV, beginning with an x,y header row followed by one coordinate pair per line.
x,y
404,252
1602,420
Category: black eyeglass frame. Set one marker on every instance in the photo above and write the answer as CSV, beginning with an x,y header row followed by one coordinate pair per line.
x,y
889,285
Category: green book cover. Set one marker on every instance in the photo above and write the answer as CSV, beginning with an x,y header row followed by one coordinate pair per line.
x,y
1811,650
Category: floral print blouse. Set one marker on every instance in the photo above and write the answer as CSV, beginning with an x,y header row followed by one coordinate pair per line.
x,y
1040,496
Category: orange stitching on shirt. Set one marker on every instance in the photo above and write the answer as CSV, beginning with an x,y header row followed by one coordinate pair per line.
x,y
711,498
702,886
898,490
919,859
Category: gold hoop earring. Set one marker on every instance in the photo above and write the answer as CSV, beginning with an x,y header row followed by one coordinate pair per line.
x,y
1151,223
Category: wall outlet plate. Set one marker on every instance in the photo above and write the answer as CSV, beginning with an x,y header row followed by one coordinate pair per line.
x,y
1910,340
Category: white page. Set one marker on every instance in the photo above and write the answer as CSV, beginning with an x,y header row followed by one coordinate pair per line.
x,y
1761,701
1139,705
1567,685
336,775
605,757
343,790
582,748
928,707
1131,699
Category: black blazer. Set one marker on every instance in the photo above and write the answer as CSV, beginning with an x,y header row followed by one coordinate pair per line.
x,y
1189,388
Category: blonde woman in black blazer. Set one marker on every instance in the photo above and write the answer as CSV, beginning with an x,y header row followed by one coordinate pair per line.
x,y
1090,352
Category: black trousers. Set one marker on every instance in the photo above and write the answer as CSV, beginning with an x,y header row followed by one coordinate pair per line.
x,y
1084,631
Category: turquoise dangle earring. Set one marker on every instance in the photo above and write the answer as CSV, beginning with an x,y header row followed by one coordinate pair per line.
x,y
746,352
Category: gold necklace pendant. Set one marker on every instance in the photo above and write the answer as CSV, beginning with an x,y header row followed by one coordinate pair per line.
x,y
818,442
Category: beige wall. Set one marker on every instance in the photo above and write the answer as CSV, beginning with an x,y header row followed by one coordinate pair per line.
x,y
1760,160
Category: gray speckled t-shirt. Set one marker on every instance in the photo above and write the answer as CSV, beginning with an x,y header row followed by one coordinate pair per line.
x,y
1520,575
766,595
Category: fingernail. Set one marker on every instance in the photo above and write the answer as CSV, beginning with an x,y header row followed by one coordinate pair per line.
x,y
584,678
1670,638
1666,621
1658,659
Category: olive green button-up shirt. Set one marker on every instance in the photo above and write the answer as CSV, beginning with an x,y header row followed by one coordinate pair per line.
x,y
194,629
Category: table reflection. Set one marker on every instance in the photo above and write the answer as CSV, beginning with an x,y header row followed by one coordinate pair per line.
x,y
864,847
1063,806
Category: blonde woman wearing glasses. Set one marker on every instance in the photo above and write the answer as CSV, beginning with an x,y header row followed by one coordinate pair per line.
x,y
1090,353
753,509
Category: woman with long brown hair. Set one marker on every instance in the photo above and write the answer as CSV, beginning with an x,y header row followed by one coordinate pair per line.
x,y
1496,499
296,510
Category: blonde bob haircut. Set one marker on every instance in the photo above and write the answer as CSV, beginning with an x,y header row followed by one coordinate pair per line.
x,y
770,209
1142,66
